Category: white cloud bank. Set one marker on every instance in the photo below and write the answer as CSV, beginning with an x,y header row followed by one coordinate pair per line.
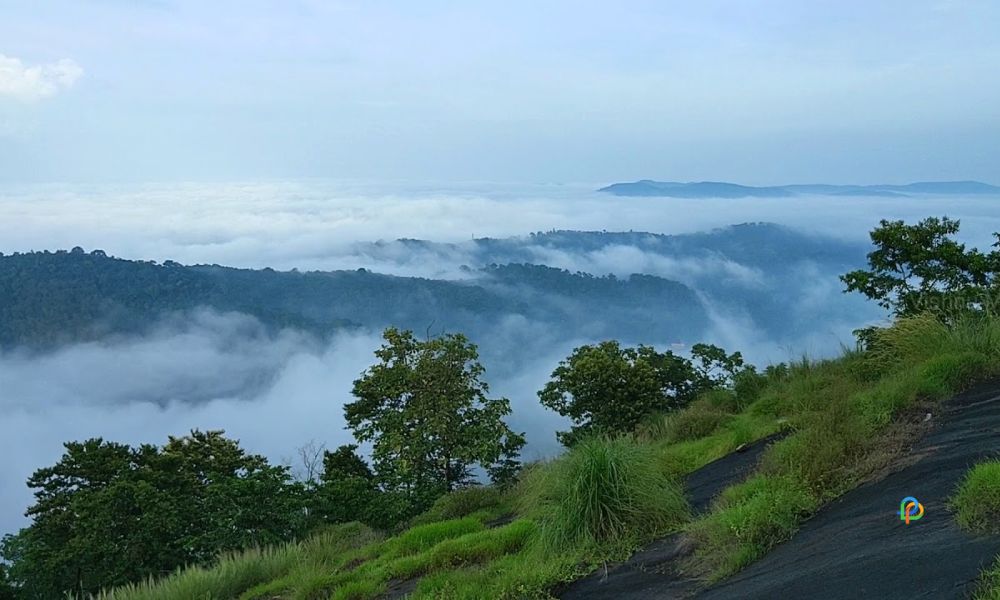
x,y
326,224
30,83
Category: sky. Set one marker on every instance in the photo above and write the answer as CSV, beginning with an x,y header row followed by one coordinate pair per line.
x,y
764,92
292,134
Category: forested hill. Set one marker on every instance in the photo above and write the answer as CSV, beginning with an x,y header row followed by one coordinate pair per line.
x,y
722,189
766,246
47,298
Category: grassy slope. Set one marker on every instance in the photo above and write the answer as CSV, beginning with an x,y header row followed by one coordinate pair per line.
x,y
606,498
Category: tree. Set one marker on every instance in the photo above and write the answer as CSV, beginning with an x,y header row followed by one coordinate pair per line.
x,y
715,368
348,492
311,458
108,514
424,407
607,389
232,499
916,268
7,591
343,463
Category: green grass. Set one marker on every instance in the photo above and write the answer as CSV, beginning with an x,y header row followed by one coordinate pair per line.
x,y
678,458
234,574
844,419
608,492
484,502
750,518
841,412
977,500
975,503
989,583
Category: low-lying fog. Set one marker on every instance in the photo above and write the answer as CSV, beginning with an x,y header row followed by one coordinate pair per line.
x,y
278,391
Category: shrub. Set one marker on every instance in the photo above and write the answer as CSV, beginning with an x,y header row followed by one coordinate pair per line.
x,y
910,340
608,493
722,399
748,385
977,499
423,537
654,426
462,503
698,421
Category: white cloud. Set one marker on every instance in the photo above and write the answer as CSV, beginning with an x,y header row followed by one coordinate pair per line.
x,y
31,83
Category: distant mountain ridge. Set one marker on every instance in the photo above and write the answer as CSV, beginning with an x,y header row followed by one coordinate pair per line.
x,y
557,283
722,189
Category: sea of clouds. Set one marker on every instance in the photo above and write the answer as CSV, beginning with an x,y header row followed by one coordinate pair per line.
x,y
276,391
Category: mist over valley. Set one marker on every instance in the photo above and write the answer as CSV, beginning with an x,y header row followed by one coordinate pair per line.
x,y
257,320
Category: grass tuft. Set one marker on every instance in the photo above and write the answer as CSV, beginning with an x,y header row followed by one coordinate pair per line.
x,y
609,492
480,500
748,519
977,499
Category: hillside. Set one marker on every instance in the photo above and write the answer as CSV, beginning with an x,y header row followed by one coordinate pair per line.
x,y
48,298
843,423
51,298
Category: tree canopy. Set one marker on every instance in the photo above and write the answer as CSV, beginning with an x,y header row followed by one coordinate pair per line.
x,y
108,514
919,268
607,388
424,406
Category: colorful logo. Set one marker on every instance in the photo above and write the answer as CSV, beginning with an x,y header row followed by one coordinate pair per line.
x,y
910,510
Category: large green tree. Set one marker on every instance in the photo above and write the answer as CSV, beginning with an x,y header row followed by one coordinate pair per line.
x,y
607,389
424,407
921,267
108,514
7,591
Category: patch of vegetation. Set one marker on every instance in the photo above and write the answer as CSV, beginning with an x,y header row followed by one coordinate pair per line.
x,y
840,415
610,493
484,501
607,496
989,583
977,499
606,389
236,573
749,519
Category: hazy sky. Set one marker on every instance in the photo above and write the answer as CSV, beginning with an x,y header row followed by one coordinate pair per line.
x,y
758,92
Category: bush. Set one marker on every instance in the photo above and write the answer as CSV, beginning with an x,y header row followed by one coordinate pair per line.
x,y
910,340
697,421
989,583
462,503
608,493
822,453
748,520
722,400
748,385
977,499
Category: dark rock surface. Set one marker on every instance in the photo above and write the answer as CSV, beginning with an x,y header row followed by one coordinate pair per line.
x,y
856,546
